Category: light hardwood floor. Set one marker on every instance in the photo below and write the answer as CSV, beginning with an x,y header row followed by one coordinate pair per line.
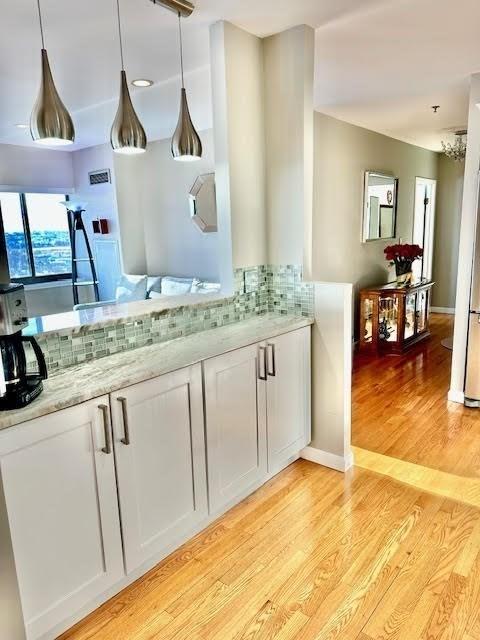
x,y
313,555
317,555
400,408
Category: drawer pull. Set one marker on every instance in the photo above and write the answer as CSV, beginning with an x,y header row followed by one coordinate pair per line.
x,y
273,372
262,371
106,427
126,427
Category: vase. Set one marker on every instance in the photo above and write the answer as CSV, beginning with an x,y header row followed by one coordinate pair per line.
x,y
403,271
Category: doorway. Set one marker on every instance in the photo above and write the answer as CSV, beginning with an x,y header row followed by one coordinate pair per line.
x,y
424,225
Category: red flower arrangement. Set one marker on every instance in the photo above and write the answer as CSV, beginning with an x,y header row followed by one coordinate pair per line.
x,y
403,253
402,256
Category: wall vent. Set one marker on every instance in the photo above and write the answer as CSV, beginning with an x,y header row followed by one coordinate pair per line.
x,y
99,177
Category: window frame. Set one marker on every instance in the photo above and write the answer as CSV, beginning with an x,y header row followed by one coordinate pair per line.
x,y
33,279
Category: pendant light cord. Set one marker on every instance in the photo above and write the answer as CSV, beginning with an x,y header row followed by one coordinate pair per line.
x,y
119,34
181,46
41,23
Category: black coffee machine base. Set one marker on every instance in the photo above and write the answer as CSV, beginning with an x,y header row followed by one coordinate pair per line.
x,y
22,397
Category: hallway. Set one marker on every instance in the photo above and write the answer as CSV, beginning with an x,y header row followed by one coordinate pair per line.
x,y
400,408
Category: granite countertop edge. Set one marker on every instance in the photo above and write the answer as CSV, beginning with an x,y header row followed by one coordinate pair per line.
x,y
97,378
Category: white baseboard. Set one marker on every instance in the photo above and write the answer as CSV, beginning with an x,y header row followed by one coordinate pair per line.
x,y
449,310
456,396
327,459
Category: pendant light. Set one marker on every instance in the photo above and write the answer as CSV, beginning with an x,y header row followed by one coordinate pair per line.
x,y
186,143
127,135
50,122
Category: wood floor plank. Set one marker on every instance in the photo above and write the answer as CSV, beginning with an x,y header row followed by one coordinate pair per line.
x,y
440,618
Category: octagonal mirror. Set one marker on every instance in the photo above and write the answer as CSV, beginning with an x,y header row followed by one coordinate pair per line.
x,y
203,203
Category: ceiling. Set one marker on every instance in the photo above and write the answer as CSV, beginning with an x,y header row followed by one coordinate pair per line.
x,y
380,64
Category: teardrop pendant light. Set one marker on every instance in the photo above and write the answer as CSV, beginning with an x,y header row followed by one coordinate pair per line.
x,y
127,135
50,122
186,143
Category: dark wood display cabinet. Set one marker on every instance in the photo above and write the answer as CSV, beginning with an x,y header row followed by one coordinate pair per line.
x,y
394,318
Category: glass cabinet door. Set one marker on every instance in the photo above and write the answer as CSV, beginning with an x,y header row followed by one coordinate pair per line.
x,y
388,319
410,310
367,320
422,311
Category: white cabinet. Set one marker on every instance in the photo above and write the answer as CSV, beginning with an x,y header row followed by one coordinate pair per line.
x,y
160,457
288,396
257,402
59,492
235,423
88,504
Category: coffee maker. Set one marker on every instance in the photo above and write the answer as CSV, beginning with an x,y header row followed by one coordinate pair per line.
x,y
18,387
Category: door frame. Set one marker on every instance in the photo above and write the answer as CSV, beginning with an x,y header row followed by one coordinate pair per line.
x,y
428,239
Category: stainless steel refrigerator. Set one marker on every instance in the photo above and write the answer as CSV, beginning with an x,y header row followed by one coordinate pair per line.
x,y
472,380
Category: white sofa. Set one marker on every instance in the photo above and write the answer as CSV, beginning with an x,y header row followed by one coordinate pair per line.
x,y
132,288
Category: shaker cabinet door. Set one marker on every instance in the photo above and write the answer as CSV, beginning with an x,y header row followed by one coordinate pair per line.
x,y
59,488
235,423
160,455
288,396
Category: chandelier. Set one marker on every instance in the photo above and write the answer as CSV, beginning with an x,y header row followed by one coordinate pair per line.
x,y
457,150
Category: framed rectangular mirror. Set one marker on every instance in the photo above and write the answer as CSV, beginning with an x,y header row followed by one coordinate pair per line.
x,y
379,206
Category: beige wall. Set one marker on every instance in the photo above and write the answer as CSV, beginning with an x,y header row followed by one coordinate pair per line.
x,y
343,152
447,231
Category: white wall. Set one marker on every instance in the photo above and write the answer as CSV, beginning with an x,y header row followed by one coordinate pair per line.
x,y
39,170
332,377
157,234
173,243
289,60
128,175
467,241
100,203
239,134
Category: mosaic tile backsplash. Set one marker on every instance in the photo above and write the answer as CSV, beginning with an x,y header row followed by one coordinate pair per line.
x,y
258,290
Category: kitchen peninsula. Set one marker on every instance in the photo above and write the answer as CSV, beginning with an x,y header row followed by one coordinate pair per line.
x,y
123,458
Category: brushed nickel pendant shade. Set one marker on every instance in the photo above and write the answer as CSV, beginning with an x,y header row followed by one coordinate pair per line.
x,y
50,122
186,143
127,135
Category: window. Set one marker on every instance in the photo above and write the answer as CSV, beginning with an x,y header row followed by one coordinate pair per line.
x,y
37,238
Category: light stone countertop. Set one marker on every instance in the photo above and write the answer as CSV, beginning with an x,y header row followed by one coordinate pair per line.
x,y
74,322
99,377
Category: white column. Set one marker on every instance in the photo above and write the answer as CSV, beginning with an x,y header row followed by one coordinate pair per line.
x,y
467,238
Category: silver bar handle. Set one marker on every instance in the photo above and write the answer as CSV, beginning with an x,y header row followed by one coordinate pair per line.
x,y
262,371
273,372
106,427
126,427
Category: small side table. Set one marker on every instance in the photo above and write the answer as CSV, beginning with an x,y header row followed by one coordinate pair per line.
x,y
394,318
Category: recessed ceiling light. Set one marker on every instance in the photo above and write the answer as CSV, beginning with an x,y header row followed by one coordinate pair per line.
x,y
142,82
21,126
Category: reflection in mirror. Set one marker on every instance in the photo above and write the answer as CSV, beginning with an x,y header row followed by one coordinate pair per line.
x,y
380,206
139,230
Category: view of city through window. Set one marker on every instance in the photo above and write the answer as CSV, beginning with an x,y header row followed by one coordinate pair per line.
x,y
45,230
